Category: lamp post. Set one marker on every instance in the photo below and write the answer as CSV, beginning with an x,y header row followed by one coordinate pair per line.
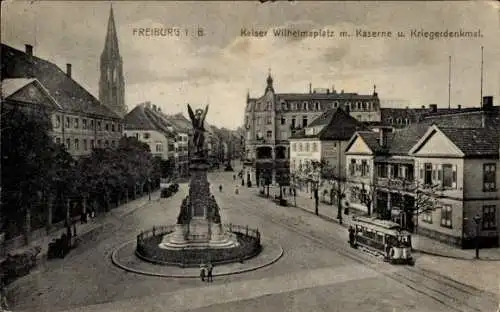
x,y
477,220
149,188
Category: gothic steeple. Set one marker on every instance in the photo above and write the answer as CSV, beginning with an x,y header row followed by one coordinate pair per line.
x,y
269,82
112,82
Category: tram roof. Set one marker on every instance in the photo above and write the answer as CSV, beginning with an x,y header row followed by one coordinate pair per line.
x,y
386,224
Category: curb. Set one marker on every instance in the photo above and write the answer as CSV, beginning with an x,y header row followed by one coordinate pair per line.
x,y
430,253
142,272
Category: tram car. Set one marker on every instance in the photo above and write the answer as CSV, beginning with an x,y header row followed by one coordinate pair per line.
x,y
382,237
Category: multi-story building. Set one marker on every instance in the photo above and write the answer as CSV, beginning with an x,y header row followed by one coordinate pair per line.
x,y
112,81
439,179
81,122
273,117
323,141
159,138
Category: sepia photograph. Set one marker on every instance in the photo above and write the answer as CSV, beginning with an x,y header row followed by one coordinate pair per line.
x,y
250,156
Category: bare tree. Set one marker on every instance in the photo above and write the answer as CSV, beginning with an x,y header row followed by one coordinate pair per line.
x,y
365,195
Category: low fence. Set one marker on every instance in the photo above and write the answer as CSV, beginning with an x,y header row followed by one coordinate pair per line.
x,y
148,250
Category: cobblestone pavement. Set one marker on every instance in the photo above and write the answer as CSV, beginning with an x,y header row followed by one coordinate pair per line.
x,y
315,273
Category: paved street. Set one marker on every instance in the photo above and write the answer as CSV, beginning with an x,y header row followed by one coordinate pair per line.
x,y
318,272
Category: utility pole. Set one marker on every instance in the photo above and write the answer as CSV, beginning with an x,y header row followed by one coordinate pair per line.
x,y
481,88
449,82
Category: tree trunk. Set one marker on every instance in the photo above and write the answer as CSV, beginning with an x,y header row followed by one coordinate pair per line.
x,y
126,194
27,229
50,204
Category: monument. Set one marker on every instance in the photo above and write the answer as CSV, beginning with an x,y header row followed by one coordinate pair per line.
x,y
198,223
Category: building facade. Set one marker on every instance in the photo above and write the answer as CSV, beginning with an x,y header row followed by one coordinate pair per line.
x,y
81,122
112,81
273,117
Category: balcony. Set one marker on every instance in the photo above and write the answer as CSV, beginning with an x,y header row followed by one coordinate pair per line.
x,y
396,184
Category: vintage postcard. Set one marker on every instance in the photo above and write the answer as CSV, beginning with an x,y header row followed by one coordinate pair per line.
x,y
257,155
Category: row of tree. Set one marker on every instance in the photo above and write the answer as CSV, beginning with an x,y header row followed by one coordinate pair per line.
x,y
412,198
43,184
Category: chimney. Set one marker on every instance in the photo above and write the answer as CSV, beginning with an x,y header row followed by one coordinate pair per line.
x,y
29,49
68,70
487,102
433,107
327,91
154,107
459,106
310,87
423,106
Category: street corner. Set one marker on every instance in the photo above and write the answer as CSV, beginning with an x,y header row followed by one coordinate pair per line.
x,y
124,257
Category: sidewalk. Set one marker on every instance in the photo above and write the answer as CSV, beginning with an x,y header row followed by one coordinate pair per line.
x,y
420,243
86,229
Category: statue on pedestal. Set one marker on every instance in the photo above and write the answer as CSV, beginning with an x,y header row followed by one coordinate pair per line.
x,y
198,119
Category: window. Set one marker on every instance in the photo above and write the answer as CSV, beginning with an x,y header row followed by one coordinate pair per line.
x,y
159,147
335,104
307,147
428,174
113,127
68,122
85,146
364,168
269,134
352,167
68,144
269,120
57,122
293,122
304,121
316,106
119,127
77,145
283,121
84,123
294,106
106,126
91,143
77,123
489,217
304,105
146,135
448,176
99,128
294,147
269,106
58,140
489,177
107,143
446,216
92,124
113,144
300,147
427,217
99,143
382,170
314,147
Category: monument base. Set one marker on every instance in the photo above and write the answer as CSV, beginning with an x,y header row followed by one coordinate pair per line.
x,y
204,236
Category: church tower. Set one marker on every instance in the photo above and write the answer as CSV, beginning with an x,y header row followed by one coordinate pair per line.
x,y
111,82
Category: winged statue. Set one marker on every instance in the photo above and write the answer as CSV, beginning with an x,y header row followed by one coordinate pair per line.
x,y
198,120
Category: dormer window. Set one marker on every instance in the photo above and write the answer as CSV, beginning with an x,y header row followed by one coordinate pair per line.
x,y
304,106
358,105
317,106
335,104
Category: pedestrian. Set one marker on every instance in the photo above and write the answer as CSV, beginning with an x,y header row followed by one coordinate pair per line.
x,y
202,272
4,307
210,277
220,188
234,177
351,236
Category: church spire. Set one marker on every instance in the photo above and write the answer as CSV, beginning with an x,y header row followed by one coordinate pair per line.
x,y
269,81
111,43
112,82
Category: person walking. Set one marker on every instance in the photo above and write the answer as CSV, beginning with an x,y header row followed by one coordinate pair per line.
x,y
210,277
202,272
220,187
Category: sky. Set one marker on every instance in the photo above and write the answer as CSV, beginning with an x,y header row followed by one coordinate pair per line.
x,y
219,67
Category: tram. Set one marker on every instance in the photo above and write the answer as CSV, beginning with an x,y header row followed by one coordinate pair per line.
x,y
382,237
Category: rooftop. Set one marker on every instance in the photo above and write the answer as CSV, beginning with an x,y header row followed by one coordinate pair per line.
x,y
65,90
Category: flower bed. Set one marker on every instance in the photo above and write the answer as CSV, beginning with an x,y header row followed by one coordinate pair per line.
x,y
148,250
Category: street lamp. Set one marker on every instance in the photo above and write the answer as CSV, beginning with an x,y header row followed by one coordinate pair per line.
x,y
149,188
477,220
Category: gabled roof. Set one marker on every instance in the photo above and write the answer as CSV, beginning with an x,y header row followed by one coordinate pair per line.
x,y
370,138
401,141
473,142
143,118
338,125
12,86
66,91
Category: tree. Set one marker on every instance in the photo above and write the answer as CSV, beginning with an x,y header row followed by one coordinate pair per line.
x,y
26,153
365,196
